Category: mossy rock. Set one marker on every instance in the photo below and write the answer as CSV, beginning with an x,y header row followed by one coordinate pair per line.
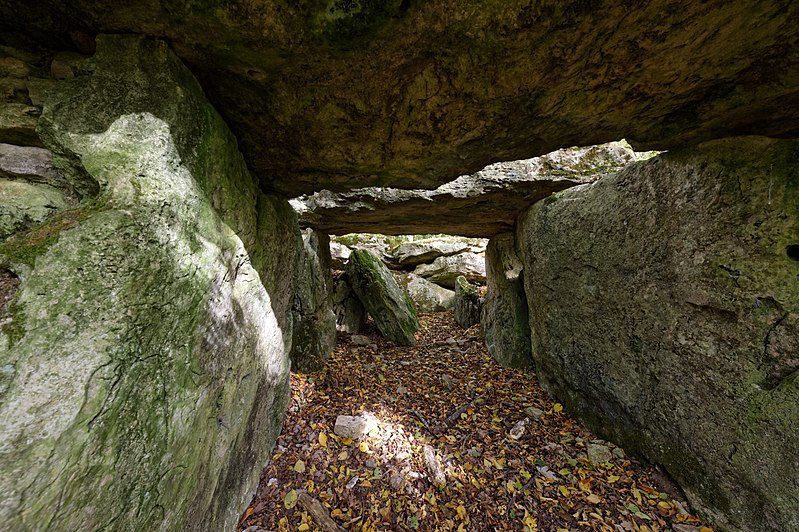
x,y
664,308
382,297
505,318
468,304
144,369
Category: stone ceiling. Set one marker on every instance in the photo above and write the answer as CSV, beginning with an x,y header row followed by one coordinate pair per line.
x,y
342,94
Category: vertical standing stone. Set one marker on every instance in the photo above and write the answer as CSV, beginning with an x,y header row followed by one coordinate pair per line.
x,y
505,318
144,373
467,303
314,336
664,306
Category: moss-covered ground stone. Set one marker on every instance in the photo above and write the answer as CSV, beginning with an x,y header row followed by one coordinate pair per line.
x,y
664,306
144,369
382,297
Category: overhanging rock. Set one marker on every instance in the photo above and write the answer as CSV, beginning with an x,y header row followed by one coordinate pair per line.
x,y
477,205
341,95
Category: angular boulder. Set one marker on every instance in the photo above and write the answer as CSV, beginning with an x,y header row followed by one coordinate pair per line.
x,y
664,308
144,370
314,326
445,270
382,297
505,317
426,296
350,314
467,303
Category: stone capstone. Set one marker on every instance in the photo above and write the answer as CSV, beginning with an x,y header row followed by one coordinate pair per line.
x,y
314,326
478,205
145,371
445,270
664,309
468,304
416,252
426,296
505,318
339,95
382,297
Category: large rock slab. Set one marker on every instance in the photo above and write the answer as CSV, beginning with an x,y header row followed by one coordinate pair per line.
x,y
382,297
144,369
314,332
664,308
477,205
416,252
505,317
352,94
426,296
445,270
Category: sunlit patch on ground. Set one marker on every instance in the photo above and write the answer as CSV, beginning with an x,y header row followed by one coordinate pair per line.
x,y
447,392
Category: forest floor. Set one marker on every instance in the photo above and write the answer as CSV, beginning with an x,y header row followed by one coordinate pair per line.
x,y
548,473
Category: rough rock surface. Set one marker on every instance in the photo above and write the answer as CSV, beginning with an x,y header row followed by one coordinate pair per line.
x,y
664,310
339,255
350,314
467,303
445,270
24,204
477,205
314,325
144,372
382,297
351,94
426,296
418,252
505,317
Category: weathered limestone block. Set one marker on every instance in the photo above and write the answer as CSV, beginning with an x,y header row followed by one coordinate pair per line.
x,y
505,318
664,308
144,372
445,270
382,297
314,336
350,314
426,296
467,303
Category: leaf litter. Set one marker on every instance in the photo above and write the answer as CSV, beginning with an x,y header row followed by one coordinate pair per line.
x,y
457,443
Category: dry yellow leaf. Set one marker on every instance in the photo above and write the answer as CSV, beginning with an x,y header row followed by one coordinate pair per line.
x,y
364,447
303,527
323,439
593,499
612,479
563,490
558,407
